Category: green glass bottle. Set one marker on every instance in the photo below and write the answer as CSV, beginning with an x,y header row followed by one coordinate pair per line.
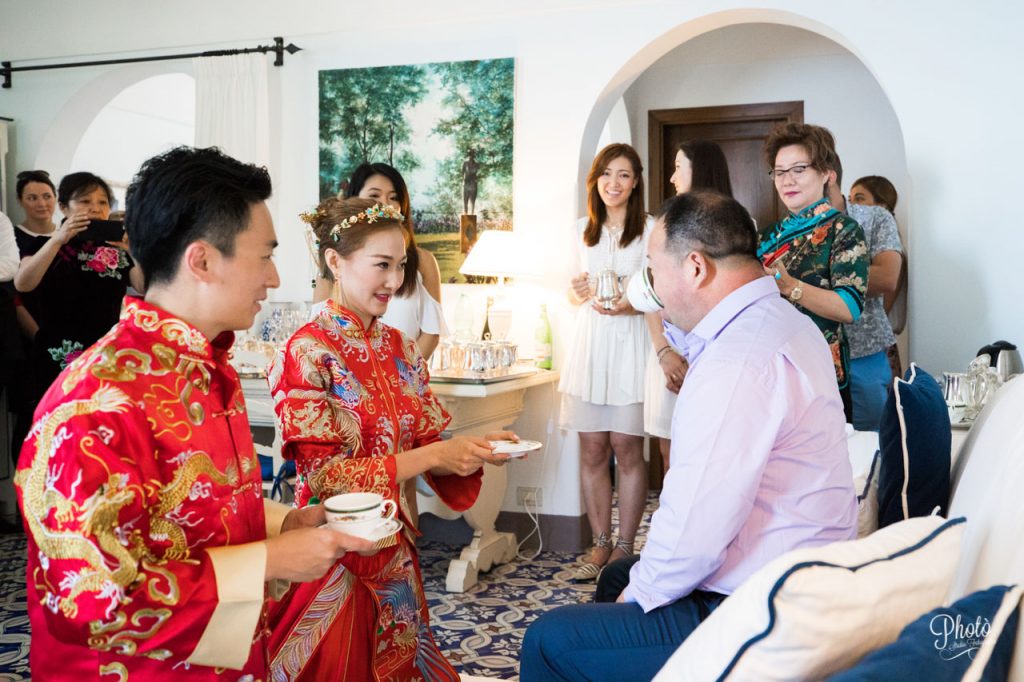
x,y
542,349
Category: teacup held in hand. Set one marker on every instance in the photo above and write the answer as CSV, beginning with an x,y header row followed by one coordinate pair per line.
x,y
359,514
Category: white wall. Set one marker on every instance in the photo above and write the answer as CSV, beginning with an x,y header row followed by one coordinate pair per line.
x,y
143,120
944,66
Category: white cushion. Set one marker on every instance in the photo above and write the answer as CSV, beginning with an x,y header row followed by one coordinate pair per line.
x,y
988,487
813,612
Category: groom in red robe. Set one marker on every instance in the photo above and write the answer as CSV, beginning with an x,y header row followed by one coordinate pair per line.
x,y
150,546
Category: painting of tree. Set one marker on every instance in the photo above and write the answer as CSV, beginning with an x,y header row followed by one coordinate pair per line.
x,y
426,120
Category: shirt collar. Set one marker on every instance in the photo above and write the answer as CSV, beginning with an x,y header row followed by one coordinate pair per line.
x,y
691,345
350,323
150,319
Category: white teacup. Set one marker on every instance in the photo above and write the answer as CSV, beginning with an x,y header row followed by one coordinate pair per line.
x,y
359,514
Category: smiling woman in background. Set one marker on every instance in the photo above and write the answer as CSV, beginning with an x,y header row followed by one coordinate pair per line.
x,y
416,308
603,382
817,254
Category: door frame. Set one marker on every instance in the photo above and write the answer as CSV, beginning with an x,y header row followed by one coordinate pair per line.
x,y
658,119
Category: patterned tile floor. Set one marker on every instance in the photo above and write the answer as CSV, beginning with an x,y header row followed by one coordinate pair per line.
x,y
479,631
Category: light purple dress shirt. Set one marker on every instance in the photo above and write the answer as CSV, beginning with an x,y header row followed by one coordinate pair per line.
x,y
759,464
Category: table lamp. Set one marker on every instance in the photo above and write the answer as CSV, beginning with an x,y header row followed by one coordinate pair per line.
x,y
497,253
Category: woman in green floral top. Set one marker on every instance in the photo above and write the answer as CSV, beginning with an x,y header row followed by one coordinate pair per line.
x,y
817,255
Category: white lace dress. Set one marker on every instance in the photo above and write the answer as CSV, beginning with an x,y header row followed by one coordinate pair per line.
x,y
603,378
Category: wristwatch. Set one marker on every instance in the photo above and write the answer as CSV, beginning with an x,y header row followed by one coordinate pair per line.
x,y
796,293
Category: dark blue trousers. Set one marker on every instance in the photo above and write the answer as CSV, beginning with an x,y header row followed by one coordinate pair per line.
x,y
613,642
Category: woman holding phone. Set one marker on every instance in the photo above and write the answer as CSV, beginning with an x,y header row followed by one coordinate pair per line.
x,y
70,286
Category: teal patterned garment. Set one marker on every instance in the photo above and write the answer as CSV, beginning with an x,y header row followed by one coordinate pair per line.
x,y
824,248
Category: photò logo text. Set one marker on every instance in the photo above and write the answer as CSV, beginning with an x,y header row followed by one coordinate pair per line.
x,y
955,638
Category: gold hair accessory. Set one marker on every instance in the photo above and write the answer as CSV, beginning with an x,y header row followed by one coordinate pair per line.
x,y
370,215
309,217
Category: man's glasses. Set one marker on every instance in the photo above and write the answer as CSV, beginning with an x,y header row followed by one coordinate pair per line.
x,y
778,174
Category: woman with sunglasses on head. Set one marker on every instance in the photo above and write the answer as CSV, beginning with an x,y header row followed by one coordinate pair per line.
x,y
817,254
356,414
71,286
602,384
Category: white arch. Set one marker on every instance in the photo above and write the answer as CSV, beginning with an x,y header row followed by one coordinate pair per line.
x,y
69,125
675,37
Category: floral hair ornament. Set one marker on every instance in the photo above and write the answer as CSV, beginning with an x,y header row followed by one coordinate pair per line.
x,y
370,215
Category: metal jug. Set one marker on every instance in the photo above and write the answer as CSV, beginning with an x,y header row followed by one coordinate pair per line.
x,y
1004,358
607,290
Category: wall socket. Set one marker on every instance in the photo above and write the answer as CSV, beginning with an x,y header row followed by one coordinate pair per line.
x,y
531,497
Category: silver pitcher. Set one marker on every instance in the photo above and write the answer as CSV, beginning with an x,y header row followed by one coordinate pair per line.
x,y
607,289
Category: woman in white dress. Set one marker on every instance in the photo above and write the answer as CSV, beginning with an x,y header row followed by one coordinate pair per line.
x,y
602,384
700,164
415,309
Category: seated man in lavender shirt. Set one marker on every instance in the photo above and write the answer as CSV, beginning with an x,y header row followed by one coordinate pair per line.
x,y
759,464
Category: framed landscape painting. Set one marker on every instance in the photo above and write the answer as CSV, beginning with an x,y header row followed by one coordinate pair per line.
x,y
448,129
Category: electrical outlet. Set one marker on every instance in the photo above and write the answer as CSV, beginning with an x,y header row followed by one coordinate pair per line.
x,y
529,497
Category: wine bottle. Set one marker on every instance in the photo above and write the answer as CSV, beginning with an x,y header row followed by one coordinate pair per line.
x,y
463,319
542,348
485,335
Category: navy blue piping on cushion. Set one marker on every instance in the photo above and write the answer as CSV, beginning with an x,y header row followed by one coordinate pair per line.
x,y
871,476
811,564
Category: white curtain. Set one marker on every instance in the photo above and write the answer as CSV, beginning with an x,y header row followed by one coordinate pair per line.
x,y
232,106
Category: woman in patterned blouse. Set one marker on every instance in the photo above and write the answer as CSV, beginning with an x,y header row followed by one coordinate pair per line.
x,y
817,254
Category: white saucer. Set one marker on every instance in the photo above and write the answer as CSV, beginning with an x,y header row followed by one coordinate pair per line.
x,y
390,527
515,449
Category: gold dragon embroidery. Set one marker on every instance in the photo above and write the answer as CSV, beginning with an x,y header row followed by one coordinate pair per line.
x,y
97,516
195,464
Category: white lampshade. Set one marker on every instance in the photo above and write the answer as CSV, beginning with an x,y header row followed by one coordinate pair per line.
x,y
497,253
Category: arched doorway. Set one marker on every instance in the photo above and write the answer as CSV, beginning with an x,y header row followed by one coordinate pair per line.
x,y
142,120
59,150
730,60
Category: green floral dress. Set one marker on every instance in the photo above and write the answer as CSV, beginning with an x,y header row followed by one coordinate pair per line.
x,y
824,248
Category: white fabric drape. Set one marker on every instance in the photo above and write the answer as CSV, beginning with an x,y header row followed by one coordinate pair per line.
x,y
232,106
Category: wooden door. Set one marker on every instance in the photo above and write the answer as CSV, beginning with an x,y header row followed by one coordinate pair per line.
x,y
740,130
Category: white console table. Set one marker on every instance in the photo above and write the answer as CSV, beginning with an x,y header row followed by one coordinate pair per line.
x,y
475,410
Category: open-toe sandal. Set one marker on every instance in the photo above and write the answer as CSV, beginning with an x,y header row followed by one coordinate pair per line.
x,y
589,570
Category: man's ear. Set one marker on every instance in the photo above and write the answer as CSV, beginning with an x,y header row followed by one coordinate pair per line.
x,y
200,260
701,266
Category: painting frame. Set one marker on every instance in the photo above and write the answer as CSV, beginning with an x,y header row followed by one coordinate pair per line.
x,y
447,127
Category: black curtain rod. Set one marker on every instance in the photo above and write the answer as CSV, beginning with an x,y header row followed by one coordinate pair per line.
x,y
278,48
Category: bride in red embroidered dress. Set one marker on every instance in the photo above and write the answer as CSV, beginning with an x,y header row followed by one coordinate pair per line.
x,y
357,414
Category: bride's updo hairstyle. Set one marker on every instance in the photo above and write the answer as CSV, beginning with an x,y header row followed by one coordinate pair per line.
x,y
344,225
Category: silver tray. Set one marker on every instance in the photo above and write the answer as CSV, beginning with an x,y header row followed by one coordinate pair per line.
x,y
492,376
